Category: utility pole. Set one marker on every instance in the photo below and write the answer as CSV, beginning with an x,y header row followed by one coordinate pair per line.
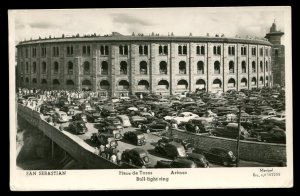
x,y
238,138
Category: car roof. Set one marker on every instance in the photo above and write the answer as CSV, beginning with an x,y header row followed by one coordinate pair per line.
x,y
139,150
195,155
175,144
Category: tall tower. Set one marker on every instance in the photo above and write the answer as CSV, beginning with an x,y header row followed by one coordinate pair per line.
x,y
278,66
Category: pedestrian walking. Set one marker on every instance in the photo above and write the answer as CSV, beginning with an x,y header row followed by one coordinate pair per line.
x,y
113,158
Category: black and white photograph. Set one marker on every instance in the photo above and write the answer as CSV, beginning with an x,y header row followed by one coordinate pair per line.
x,y
150,98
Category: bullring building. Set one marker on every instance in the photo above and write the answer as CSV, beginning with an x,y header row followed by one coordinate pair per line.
x,y
119,65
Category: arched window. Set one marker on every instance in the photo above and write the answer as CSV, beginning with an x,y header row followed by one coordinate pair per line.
x,y
55,82
244,82
163,85
200,67
182,67
34,81
55,67
104,84
44,67
123,85
217,83
123,68
261,80
86,68
197,49
143,67
261,66
253,67
86,85
27,80
163,67
179,49
182,84
244,69
231,82
160,49
104,68
143,85
184,50
231,67
202,50
44,81
140,49
70,67
267,66
34,67
121,51
253,81
217,67
200,84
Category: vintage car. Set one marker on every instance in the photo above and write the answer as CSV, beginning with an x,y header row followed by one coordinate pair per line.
x,y
79,116
183,117
135,137
104,139
136,156
198,125
199,159
110,124
156,126
230,131
218,155
78,127
170,149
275,135
177,163
60,117
69,109
136,121
47,109
124,120
93,116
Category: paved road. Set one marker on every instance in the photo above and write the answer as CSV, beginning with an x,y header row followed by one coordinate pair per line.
x,y
151,141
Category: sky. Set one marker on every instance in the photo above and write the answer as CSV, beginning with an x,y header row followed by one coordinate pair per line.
x,y
252,21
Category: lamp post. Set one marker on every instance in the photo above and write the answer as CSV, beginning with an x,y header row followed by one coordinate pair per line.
x,y
238,138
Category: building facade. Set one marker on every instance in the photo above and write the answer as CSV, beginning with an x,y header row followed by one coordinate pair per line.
x,y
119,65
278,63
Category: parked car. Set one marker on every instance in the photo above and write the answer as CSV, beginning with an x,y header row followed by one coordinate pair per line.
x,y
135,137
79,116
85,106
170,149
69,109
136,121
198,125
275,135
110,124
199,159
183,117
124,120
78,127
93,116
156,126
218,155
230,131
136,156
47,109
177,163
104,139
60,117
